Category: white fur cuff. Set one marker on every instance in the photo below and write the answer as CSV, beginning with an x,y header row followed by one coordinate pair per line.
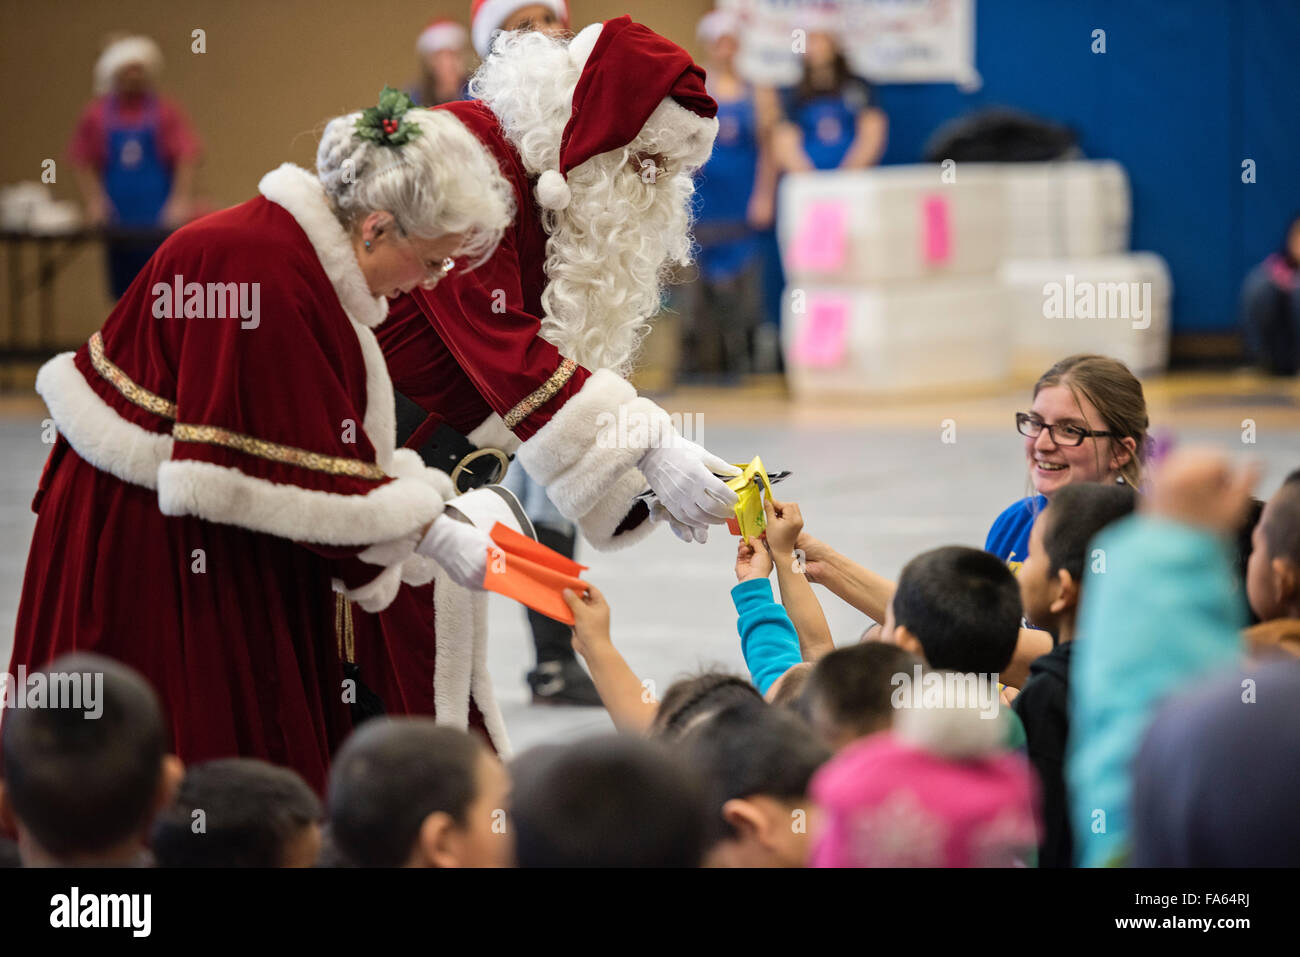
x,y
601,521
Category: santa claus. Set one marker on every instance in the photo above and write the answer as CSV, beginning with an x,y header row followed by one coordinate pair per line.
x,y
527,355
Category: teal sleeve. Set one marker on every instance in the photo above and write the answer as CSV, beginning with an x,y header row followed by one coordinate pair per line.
x,y
767,636
1160,607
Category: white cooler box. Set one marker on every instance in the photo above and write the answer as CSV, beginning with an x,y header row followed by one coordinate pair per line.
x,y
890,223
1068,210
895,337
1113,305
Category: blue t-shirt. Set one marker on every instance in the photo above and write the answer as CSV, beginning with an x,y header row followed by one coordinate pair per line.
x,y
1009,537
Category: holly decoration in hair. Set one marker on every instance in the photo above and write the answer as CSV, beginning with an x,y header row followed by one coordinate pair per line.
x,y
383,124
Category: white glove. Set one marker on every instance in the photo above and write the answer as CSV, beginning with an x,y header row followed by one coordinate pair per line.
x,y
460,548
687,533
681,474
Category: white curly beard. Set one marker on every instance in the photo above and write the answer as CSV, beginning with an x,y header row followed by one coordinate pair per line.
x,y
609,252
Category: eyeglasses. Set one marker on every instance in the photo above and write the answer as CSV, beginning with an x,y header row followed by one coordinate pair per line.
x,y
1070,436
435,274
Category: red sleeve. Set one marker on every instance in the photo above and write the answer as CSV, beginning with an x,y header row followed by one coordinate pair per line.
x,y
87,147
481,317
180,143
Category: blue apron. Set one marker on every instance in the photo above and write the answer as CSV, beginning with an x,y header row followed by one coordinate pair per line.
x,y
725,185
828,126
138,183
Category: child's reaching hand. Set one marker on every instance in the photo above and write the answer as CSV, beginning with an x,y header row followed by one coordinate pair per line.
x,y
752,560
590,620
784,523
1200,487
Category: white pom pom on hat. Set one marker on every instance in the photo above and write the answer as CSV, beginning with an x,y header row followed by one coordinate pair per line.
x,y
553,191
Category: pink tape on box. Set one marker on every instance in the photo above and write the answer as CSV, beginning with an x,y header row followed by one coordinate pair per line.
x,y
822,342
936,238
821,242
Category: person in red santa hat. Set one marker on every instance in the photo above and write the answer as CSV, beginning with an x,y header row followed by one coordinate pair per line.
x,y
490,17
226,443
528,355
441,47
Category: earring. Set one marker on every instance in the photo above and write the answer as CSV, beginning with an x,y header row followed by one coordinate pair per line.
x,y
367,244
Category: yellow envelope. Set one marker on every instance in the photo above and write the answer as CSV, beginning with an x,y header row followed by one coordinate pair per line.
x,y
749,486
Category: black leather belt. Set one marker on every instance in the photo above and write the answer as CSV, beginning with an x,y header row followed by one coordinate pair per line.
x,y
469,466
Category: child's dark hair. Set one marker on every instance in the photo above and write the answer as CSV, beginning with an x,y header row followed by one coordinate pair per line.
x,y
1282,532
746,750
389,776
963,606
854,686
251,811
689,699
613,801
1074,517
790,693
82,785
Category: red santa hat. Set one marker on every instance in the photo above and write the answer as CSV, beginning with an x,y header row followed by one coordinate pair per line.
x,y
486,17
627,71
441,34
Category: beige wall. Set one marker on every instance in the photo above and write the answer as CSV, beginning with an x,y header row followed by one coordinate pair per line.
x,y
273,72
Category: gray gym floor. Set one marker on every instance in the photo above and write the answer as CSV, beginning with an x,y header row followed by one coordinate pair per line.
x,y
879,487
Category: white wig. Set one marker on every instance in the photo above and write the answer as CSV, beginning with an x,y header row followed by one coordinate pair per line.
x,y
609,252
441,181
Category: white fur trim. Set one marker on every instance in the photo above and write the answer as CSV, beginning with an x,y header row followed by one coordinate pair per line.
x,y
303,196
583,450
601,520
377,594
552,191
489,17
492,433
580,46
95,430
220,494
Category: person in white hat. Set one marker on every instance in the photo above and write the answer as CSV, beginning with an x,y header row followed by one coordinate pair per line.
x,y
134,152
442,47
490,17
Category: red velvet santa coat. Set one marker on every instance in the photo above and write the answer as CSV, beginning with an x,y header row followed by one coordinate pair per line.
x,y
470,353
213,477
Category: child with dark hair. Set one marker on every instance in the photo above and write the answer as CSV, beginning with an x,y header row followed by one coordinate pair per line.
x,y
82,783
958,609
1051,580
1273,574
405,792
613,801
756,762
691,700
849,693
239,812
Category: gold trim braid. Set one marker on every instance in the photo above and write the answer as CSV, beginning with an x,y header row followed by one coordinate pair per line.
x,y
122,382
274,452
214,435
542,394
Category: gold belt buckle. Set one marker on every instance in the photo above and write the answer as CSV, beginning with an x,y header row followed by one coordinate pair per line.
x,y
503,465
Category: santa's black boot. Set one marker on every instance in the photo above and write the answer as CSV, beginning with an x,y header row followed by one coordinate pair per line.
x,y
559,678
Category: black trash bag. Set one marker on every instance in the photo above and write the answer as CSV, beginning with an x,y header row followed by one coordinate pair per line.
x,y
1000,135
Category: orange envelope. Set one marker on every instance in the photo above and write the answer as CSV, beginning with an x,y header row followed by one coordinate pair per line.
x,y
531,573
